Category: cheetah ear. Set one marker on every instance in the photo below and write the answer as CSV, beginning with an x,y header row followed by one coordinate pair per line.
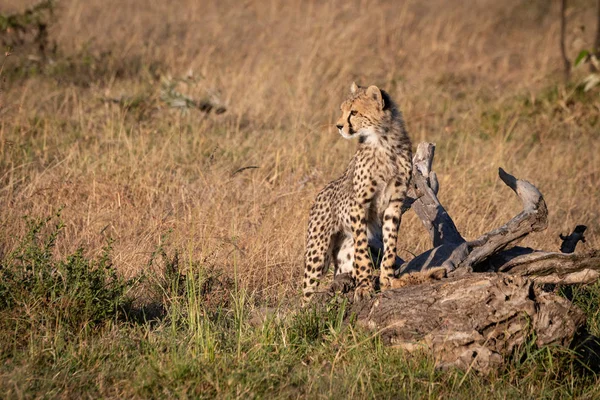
x,y
353,87
375,93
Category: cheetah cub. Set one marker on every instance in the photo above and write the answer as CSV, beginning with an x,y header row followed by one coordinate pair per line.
x,y
364,204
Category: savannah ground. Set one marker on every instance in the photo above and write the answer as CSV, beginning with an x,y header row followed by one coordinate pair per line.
x,y
146,283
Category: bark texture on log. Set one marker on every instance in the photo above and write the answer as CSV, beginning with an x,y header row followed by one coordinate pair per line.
x,y
556,268
471,322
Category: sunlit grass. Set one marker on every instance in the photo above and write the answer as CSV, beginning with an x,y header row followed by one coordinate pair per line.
x,y
206,213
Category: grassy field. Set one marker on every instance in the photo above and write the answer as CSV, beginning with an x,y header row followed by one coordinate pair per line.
x,y
162,219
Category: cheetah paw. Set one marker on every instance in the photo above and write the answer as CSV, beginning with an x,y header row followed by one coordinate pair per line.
x,y
363,292
386,284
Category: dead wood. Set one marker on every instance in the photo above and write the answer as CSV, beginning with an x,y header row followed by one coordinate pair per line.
x,y
494,250
425,187
563,29
493,301
556,268
570,241
534,217
450,249
596,49
474,322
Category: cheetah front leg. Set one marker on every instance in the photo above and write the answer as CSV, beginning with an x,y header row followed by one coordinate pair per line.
x,y
391,225
363,267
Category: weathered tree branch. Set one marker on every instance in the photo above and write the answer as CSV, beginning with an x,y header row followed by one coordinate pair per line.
x,y
534,217
563,50
493,251
557,268
450,249
434,217
570,241
597,40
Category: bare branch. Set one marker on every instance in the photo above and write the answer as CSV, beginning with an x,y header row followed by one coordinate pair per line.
x,y
596,49
557,268
534,217
570,241
432,214
237,171
563,27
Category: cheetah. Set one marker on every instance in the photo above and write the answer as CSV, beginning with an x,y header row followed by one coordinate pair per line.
x,y
363,206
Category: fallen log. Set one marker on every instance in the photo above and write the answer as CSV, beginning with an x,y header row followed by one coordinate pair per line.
x,y
492,300
473,322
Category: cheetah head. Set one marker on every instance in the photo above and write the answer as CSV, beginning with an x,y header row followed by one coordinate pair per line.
x,y
362,112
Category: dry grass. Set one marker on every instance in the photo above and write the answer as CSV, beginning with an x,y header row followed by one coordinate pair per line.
x,y
87,130
480,78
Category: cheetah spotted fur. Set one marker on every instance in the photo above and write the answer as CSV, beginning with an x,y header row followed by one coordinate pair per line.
x,y
364,204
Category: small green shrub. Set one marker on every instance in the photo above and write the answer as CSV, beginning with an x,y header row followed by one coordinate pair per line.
x,y
40,292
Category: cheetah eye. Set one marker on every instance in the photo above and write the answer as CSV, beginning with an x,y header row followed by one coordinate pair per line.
x,y
353,112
